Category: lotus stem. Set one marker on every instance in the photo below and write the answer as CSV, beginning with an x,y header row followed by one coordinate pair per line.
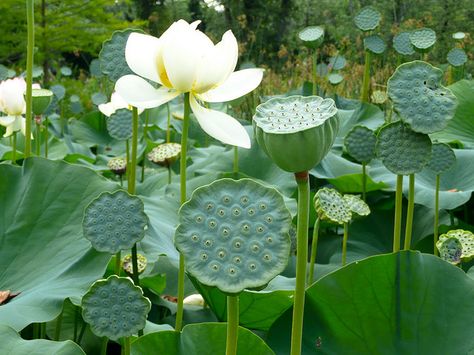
x,y
236,161
344,243
36,331
76,319
302,179
314,248
30,17
436,216
14,149
232,325
126,346
364,180
103,346
131,185
46,137
81,333
127,156
57,329
182,172
38,141
168,123
42,329
118,260
398,214
366,79
315,71
410,210
145,128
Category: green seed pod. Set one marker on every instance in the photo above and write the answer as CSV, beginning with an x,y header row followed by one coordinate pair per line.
x,y
420,99
459,36
379,97
423,39
115,308
335,78
117,165
165,154
331,206
457,57
114,221
119,124
127,263
467,241
312,36
375,44
41,99
337,62
367,19
296,132
357,205
402,150
234,234
442,158
450,250
402,44
360,144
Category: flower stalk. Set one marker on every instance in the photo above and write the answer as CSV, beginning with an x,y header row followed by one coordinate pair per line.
x,y
30,10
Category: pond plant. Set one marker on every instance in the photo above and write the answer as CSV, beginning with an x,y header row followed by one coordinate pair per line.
x,y
97,259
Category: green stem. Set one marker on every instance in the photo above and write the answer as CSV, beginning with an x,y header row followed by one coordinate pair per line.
x,y
452,222
301,261
118,265
14,149
127,157
145,128
42,330
398,214
46,137
126,346
57,329
436,216
182,172
30,16
364,180
236,161
168,124
38,142
232,325
410,210
81,333
136,279
344,243
314,247
133,156
315,71
103,346
76,319
36,330
366,80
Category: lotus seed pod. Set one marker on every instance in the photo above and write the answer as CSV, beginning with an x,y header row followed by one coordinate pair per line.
x,y
402,150
420,99
119,124
367,19
117,165
41,99
450,250
312,36
331,206
165,154
360,144
459,36
375,44
442,158
357,205
296,132
114,221
337,62
335,78
467,241
423,39
127,263
379,97
402,44
194,300
115,308
457,57
234,234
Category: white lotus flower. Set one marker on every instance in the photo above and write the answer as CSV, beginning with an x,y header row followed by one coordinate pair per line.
x,y
185,60
12,103
116,103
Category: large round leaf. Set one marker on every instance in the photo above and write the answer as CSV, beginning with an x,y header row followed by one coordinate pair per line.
x,y
44,255
403,303
13,344
198,339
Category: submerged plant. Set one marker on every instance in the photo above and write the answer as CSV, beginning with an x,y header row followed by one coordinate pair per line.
x,y
234,235
296,133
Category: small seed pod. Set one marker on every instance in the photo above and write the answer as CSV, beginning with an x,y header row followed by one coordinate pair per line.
x,y
117,165
165,154
128,266
41,99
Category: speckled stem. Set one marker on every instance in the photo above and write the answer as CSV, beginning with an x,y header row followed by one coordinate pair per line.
x,y
302,179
